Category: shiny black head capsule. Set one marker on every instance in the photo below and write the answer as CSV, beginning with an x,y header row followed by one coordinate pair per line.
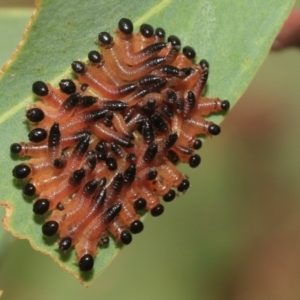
x,y
78,67
189,52
146,30
140,204
29,189
157,210
169,196
67,86
86,263
204,64
40,88
126,237
35,114
94,57
50,228
136,226
37,135
225,105
65,243
197,144
111,164
15,148
160,32
194,161
183,186
125,26
214,129
21,171
174,40
41,206
105,38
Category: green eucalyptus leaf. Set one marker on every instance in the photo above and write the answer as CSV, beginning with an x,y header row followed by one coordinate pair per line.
x,y
234,36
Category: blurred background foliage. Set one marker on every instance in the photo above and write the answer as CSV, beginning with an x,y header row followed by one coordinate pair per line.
x,y
234,236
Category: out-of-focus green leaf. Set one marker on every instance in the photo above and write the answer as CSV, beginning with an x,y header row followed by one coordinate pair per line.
x,y
234,36
12,24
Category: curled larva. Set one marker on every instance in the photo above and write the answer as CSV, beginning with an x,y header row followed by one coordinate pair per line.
x,y
104,147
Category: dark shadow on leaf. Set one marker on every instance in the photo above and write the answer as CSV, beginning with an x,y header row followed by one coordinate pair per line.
x,y
87,276
50,240
17,183
39,219
65,255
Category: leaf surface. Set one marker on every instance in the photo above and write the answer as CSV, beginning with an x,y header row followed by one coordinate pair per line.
x,y
234,36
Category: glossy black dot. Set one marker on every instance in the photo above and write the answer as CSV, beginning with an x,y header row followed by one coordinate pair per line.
x,y
146,30
59,163
77,177
40,88
84,86
15,148
37,135
173,157
67,86
35,114
151,175
136,226
87,101
102,155
187,71
214,129
225,105
183,186
21,171
100,146
41,206
29,189
105,38
78,67
197,144
140,204
189,52
104,240
60,206
86,263
94,57
65,243
157,210
160,32
194,161
90,187
130,157
174,40
126,237
125,25
204,64
50,228
169,196
111,164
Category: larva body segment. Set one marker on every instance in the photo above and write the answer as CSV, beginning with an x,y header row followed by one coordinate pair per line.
x,y
104,147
